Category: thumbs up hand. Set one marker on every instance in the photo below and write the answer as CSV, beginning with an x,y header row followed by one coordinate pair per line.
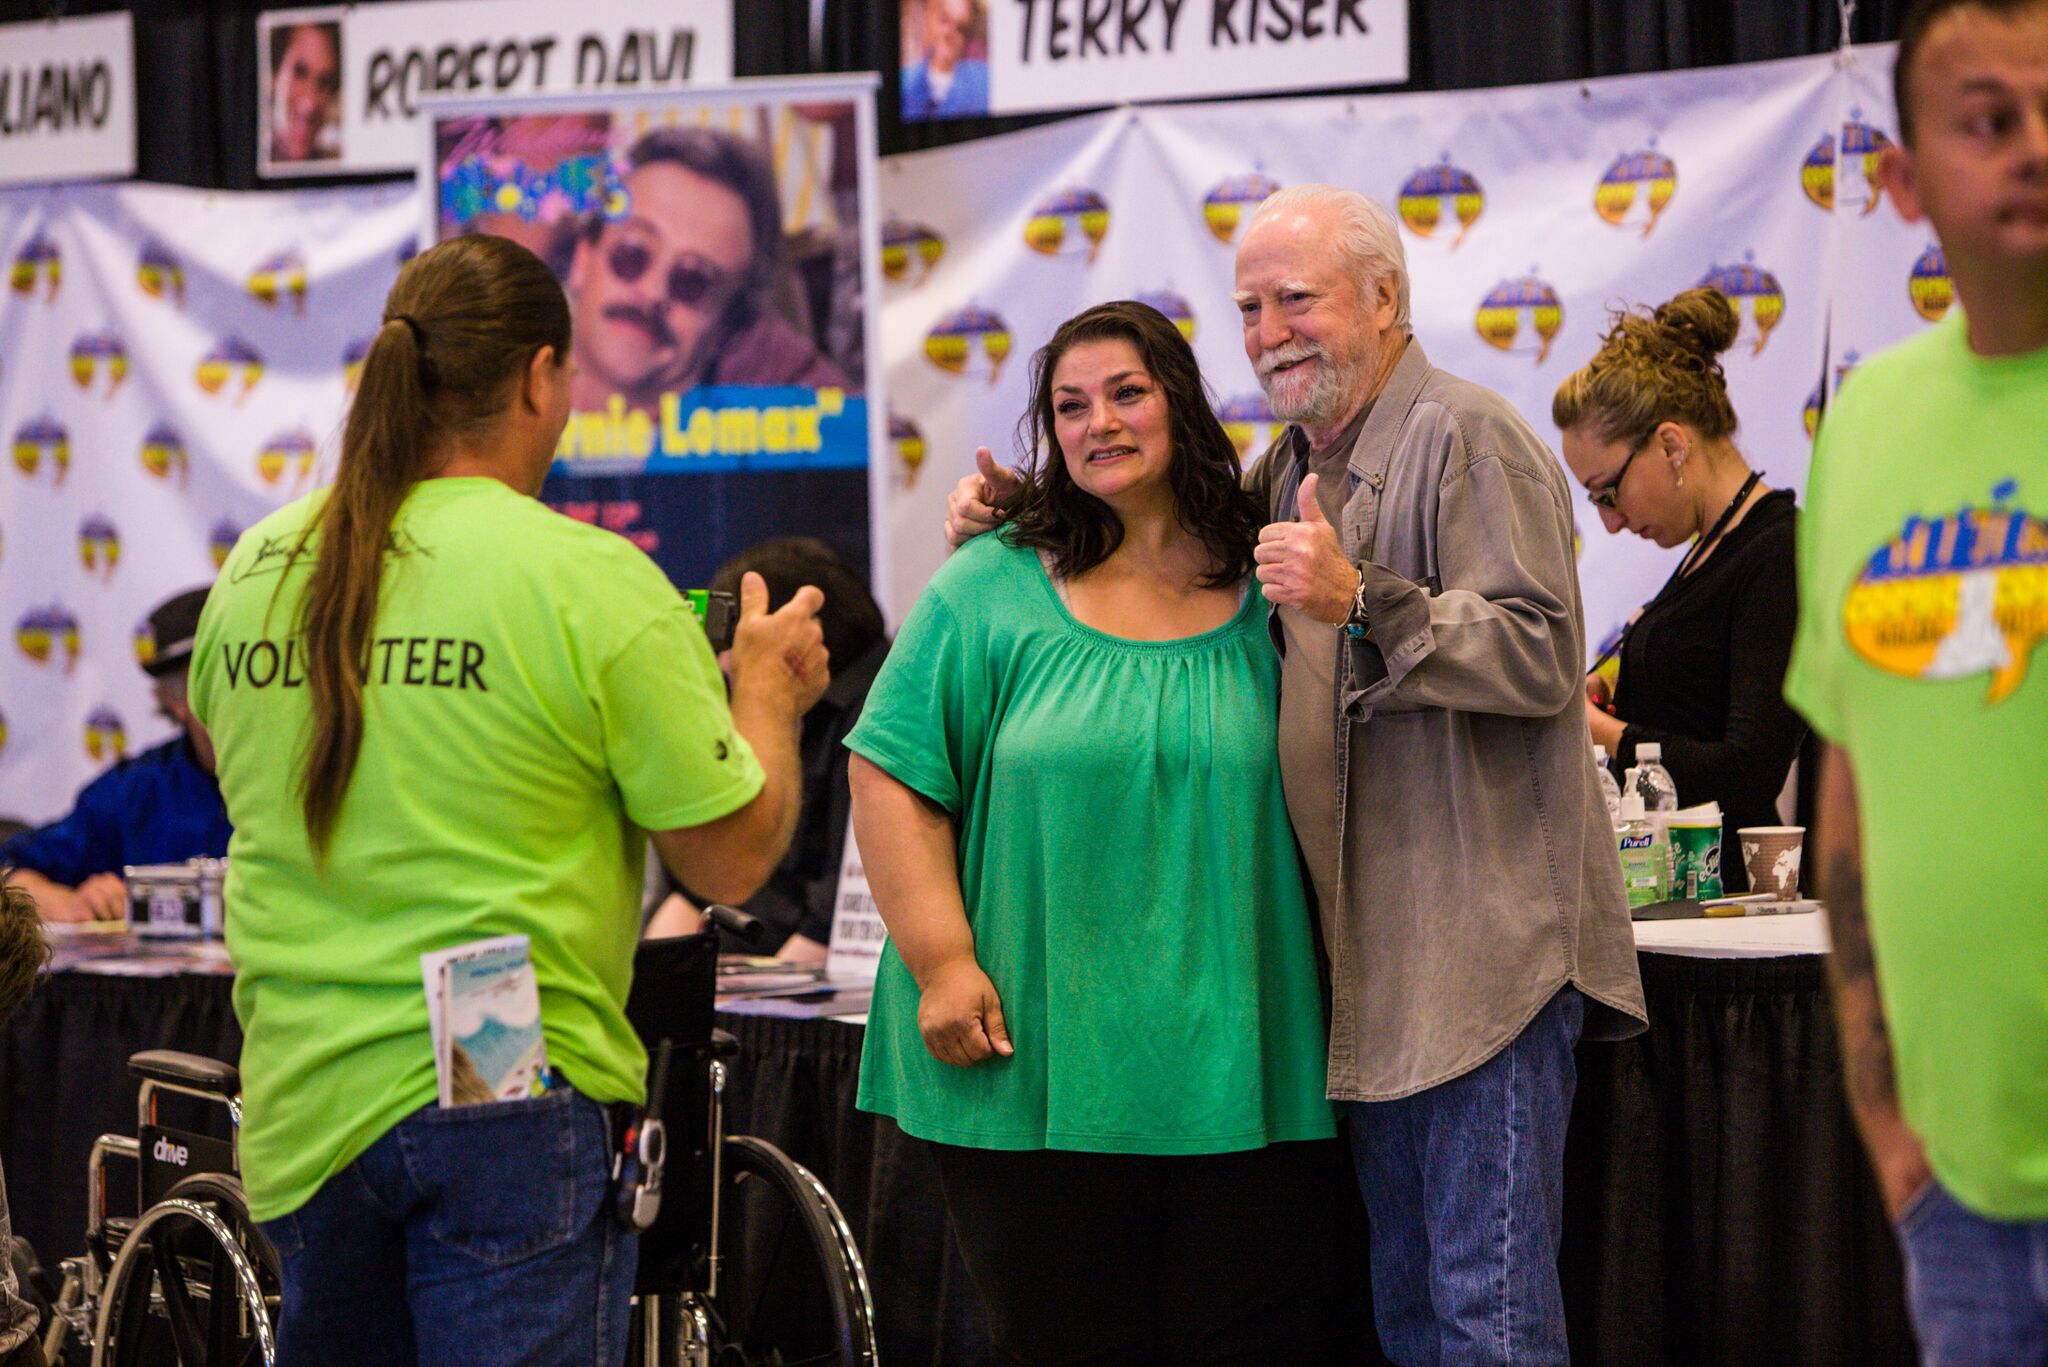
x,y
1302,565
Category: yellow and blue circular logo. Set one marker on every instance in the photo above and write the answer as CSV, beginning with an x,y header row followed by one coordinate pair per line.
x,y
1648,178
1232,200
910,251
280,277
97,352
1501,312
1425,195
1955,596
39,438
233,364
1752,290
106,738
160,273
907,441
46,632
37,264
286,452
952,343
221,540
163,453
99,545
1929,286
1071,220
1175,306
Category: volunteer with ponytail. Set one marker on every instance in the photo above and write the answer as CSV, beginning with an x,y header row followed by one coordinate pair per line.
x,y
1649,430
445,713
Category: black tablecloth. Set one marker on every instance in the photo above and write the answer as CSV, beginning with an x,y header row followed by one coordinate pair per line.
x,y
1718,1209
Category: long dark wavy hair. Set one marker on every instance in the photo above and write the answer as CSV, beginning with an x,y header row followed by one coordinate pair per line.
x,y
1078,530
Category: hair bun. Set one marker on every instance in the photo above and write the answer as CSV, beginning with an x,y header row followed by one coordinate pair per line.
x,y
1701,319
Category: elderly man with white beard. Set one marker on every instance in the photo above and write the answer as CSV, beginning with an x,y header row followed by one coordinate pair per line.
x,y
1419,556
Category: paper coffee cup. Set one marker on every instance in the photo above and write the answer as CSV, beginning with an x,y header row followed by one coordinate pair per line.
x,y
1771,854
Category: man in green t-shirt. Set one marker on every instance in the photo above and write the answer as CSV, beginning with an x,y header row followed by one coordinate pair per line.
x,y
1923,569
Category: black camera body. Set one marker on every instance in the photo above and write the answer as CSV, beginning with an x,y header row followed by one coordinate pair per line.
x,y
718,613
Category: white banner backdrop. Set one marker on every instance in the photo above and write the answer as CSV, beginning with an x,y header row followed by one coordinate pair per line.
x,y
173,365
67,99
342,85
1528,213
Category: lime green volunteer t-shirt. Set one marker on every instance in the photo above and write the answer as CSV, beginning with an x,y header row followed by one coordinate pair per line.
x,y
537,694
1128,870
1923,592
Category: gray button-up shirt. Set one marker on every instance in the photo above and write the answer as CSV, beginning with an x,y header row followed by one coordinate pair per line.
x,y
1475,867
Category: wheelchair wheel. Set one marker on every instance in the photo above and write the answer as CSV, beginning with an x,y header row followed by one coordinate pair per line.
x,y
195,1283
791,1289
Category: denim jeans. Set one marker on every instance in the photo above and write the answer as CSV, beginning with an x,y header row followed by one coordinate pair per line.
x,y
475,1234
1977,1287
1464,1187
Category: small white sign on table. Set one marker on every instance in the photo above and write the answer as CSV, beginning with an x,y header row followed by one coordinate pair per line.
x,y
857,930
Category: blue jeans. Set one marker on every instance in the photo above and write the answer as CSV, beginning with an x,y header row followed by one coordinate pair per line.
x,y
1977,1287
1464,1187
476,1234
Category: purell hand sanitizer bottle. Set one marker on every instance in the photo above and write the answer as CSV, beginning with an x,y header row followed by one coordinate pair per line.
x,y
1644,873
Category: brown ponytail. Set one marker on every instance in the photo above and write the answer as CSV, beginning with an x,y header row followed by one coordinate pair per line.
x,y
460,328
1655,368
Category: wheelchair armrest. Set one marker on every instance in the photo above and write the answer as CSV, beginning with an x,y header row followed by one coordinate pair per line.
x,y
187,1070
724,1044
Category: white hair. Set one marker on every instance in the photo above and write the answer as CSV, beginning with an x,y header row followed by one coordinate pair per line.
x,y
1366,234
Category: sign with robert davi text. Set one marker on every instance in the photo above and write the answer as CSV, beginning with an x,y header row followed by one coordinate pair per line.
x,y
963,58
342,86
67,99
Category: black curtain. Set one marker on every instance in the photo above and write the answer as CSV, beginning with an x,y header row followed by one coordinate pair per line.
x,y
196,59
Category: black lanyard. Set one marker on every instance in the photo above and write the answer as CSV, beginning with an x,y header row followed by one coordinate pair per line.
x,y
1692,557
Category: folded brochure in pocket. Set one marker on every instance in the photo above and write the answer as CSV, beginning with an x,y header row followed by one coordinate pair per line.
x,y
483,1007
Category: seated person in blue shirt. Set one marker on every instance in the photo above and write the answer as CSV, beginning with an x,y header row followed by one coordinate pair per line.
x,y
796,902
947,84
161,807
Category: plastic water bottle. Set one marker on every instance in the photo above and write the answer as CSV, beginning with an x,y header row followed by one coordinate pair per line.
x,y
1608,787
1644,873
1650,778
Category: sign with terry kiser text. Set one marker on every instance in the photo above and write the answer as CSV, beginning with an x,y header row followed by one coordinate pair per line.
x,y
67,99
1064,54
342,86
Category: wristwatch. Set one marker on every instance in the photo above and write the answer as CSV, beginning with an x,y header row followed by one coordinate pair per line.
x,y
1356,626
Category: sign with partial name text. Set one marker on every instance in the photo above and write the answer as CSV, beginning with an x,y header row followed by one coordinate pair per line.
x,y
857,930
67,100
342,86
1065,54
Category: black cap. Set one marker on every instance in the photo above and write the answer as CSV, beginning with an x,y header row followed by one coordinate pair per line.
x,y
171,629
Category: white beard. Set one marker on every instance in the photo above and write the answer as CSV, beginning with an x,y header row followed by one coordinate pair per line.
x,y
1323,400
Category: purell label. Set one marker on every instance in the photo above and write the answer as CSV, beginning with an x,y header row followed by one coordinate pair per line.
x,y
1638,842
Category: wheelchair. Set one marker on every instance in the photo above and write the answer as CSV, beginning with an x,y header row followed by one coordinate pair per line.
x,y
745,1258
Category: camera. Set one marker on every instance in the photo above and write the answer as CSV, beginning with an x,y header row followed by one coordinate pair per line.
x,y
718,613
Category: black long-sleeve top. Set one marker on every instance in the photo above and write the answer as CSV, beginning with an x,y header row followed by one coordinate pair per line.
x,y
1703,674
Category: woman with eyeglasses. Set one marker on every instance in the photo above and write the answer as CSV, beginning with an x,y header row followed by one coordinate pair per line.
x,y
1649,430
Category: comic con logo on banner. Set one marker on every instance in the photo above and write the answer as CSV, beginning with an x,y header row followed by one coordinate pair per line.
x,y
39,438
37,265
1073,220
105,737
1851,180
221,540
281,276
1426,194
1249,423
1227,206
99,545
906,439
97,351
1176,308
163,453
1955,596
1929,286
145,644
160,274
1502,310
352,357
1755,292
910,251
46,632
951,344
287,453
1636,187
232,365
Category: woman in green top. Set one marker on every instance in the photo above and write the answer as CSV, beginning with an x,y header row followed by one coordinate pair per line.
x,y
444,713
1099,998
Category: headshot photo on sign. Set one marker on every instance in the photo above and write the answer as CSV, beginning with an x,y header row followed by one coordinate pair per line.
x,y
698,253
299,130
945,59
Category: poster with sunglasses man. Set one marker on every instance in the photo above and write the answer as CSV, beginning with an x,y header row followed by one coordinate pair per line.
x,y
721,263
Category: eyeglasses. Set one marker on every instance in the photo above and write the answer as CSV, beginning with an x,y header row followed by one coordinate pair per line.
x,y
1606,494
690,282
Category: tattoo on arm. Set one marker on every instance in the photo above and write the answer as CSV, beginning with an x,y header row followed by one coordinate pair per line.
x,y
1852,967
